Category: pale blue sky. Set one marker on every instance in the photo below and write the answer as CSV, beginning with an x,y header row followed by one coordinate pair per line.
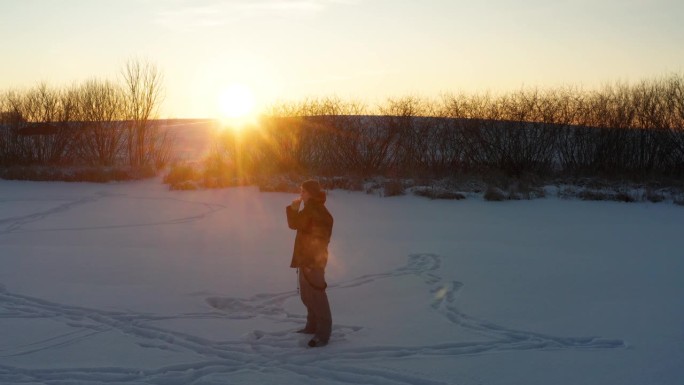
x,y
361,49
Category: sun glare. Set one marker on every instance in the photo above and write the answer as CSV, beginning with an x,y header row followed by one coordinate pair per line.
x,y
236,105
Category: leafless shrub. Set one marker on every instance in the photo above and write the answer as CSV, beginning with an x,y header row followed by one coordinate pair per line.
x,y
598,195
393,188
373,188
654,196
100,110
180,173
278,184
344,183
94,124
623,196
438,193
522,190
35,129
592,195
619,131
143,93
495,194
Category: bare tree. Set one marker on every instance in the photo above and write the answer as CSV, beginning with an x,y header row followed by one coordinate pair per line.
x,y
101,110
674,96
40,133
143,84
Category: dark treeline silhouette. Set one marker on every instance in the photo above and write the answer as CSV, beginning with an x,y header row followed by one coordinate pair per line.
x,y
94,123
618,131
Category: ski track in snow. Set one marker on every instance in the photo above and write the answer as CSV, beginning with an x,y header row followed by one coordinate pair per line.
x,y
279,352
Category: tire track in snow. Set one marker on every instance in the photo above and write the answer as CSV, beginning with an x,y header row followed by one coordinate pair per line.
x,y
275,351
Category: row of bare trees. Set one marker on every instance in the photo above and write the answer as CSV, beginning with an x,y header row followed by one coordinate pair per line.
x,y
96,122
619,130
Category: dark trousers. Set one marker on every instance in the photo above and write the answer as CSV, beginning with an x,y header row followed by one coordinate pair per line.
x,y
312,287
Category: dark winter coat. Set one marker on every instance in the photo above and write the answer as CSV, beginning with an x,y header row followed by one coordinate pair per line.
x,y
314,228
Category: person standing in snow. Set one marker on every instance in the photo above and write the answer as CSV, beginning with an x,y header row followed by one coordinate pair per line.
x,y
310,256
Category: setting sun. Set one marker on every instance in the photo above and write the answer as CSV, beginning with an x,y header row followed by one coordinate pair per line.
x,y
236,104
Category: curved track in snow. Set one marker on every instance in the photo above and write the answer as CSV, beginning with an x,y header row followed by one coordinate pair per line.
x,y
268,352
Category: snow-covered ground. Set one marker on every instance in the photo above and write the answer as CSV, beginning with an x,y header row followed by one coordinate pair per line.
x,y
133,284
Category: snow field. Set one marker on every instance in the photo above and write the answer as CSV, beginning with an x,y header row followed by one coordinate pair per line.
x,y
133,284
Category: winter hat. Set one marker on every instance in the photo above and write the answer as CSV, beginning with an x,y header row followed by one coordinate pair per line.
x,y
314,189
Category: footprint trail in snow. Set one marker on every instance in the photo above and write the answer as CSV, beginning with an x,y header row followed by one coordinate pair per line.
x,y
279,351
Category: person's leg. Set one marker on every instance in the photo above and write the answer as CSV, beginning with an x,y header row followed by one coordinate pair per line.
x,y
319,304
323,317
305,292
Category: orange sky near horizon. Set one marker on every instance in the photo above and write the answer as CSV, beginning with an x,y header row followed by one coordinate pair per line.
x,y
365,50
